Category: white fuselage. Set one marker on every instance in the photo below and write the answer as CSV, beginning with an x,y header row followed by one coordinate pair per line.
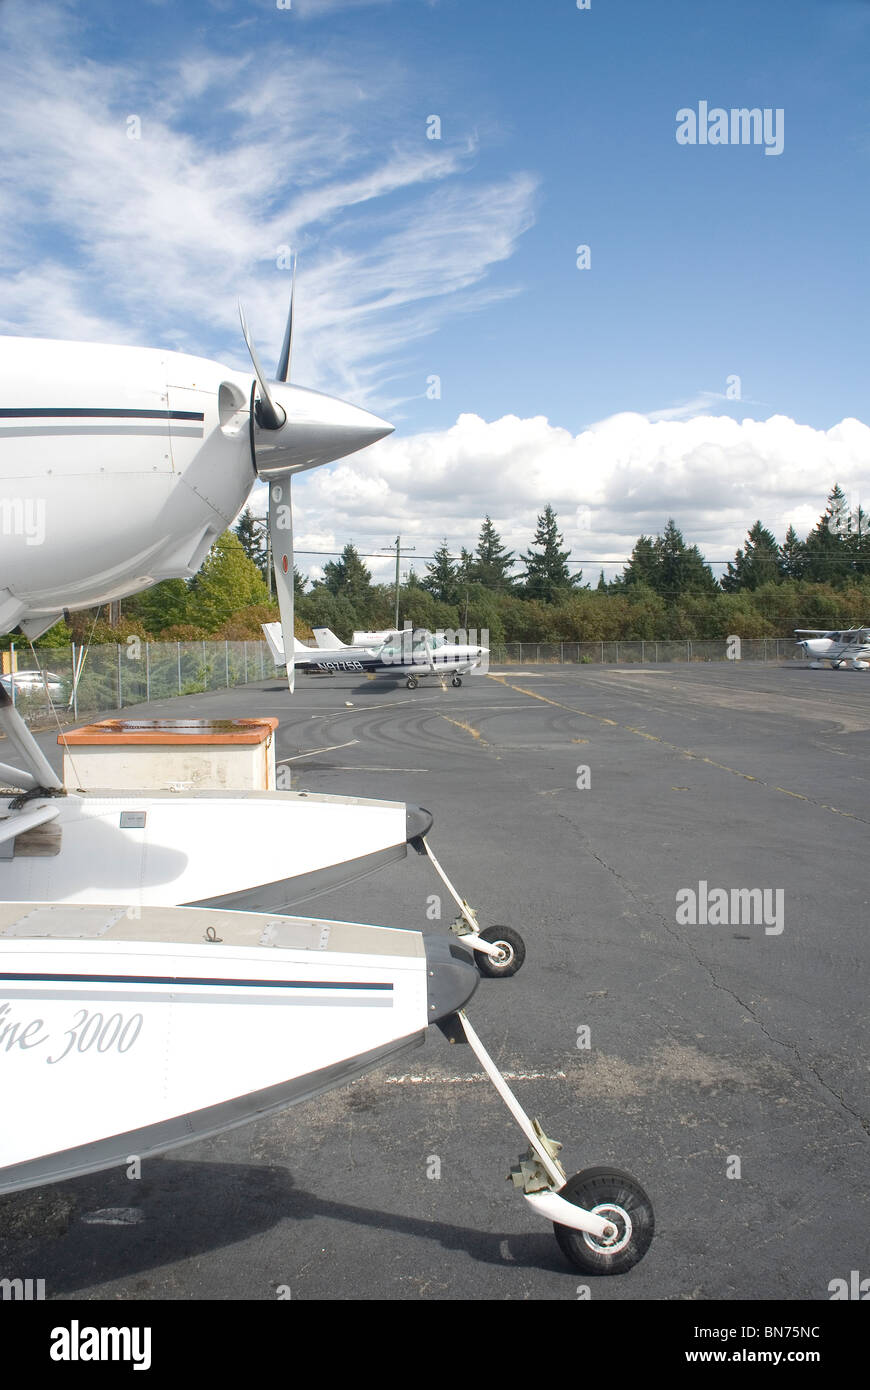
x,y
119,467
840,648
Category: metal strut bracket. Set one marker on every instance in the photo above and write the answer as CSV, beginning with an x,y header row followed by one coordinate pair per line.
x,y
466,925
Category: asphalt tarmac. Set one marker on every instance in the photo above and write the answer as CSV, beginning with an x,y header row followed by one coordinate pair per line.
x,y
723,1064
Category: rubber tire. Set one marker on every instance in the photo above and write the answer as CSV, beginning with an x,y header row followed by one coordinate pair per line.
x,y
590,1189
412,682
457,680
487,965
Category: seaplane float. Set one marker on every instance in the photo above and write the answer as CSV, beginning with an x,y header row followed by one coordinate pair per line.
x,y
141,932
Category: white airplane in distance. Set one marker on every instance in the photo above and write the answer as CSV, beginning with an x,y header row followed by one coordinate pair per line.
x,y
839,648
412,654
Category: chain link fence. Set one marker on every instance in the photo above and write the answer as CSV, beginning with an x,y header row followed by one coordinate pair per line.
x,y
84,682
770,649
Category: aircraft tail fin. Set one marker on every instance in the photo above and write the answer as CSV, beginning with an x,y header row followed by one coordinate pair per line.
x,y
275,642
324,637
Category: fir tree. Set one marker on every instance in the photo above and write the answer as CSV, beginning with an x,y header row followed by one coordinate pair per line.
x,y
792,555
251,533
760,563
348,577
492,562
442,578
547,575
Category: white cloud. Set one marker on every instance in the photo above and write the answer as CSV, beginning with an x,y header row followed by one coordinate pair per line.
x,y
609,484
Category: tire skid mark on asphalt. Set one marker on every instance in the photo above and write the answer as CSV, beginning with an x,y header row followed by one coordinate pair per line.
x,y
684,752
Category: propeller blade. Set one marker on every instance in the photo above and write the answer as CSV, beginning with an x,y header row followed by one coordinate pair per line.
x,y
270,415
283,372
281,537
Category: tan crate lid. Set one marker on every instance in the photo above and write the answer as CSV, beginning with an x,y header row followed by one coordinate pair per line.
x,y
162,731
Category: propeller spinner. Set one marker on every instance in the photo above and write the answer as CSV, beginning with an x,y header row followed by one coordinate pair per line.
x,y
293,429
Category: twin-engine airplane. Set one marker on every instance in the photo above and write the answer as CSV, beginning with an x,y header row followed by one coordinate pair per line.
x,y
838,648
412,654
128,947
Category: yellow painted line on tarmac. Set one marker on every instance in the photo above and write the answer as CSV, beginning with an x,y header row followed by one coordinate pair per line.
x,y
469,729
674,747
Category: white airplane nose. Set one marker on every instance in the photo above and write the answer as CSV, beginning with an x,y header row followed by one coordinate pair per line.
x,y
318,429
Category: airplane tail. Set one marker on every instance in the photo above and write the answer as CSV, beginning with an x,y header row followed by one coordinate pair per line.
x,y
275,642
324,637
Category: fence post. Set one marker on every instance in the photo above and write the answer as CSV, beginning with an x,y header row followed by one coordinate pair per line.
x,y
204,668
120,692
642,651
178,660
147,670
227,659
687,649
262,664
602,654
616,645
561,653
246,663
538,655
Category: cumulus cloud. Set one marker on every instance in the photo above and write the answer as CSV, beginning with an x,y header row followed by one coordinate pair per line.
x,y
622,477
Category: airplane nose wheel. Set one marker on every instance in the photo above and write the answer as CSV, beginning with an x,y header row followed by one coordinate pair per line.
x,y
498,951
602,1218
412,682
457,680
621,1201
512,949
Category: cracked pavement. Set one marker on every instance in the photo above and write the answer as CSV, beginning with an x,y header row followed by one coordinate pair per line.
x,y
708,1043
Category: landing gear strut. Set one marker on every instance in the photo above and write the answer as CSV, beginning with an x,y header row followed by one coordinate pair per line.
x,y
603,1219
500,951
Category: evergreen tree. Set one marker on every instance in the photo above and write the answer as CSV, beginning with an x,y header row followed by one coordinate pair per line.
x,y
792,555
837,516
858,543
442,578
348,577
251,533
681,568
760,563
643,566
492,562
825,552
547,574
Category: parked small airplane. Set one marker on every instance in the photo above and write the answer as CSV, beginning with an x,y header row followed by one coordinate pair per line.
x,y
849,647
412,654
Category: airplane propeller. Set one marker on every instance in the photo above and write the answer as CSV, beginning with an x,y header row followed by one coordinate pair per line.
x,y
293,429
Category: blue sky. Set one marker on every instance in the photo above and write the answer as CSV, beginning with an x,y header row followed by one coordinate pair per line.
x,y
263,127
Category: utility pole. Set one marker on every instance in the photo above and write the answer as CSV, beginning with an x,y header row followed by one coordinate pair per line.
x,y
399,553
